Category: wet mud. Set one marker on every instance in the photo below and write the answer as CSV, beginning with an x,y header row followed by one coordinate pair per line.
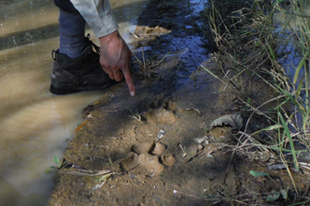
x,y
160,146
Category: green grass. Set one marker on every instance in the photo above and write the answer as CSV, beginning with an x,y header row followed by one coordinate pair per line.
x,y
255,24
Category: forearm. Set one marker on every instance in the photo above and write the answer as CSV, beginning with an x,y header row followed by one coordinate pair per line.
x,y
98,15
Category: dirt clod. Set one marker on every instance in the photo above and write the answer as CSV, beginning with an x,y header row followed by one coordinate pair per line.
x,y
143,147
168,159
130,162
159,148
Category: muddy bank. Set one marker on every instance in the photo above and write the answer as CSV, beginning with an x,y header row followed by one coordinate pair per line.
x,y
158,148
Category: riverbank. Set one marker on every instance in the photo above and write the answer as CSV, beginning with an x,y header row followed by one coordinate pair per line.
x,y
167,145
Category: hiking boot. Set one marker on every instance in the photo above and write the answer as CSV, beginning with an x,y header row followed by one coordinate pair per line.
x,y
82,73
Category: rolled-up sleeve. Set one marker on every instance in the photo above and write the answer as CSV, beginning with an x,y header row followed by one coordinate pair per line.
x,y
98,15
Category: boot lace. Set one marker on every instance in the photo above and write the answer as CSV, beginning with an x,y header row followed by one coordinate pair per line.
x,y
96,49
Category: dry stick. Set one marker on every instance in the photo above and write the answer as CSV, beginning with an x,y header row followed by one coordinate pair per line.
x,y
143,58
135,35
300,133
152,66
238,74
84,173
252,145
230,80
162,59
184,153
305,165
138,59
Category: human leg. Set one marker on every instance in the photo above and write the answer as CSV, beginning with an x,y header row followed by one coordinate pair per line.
x,y
71,29
76,64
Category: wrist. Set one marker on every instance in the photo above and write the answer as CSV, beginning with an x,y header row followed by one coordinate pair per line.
x,y
106,39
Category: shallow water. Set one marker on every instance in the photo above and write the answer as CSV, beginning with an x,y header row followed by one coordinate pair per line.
x,y
36,125
292,54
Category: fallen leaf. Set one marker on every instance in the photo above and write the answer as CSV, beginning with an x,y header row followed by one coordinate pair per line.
x,y
233,120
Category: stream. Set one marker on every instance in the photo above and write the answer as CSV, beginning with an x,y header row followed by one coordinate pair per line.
x,y
36,125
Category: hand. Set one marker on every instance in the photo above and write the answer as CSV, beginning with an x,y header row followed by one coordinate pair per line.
x,y
115,57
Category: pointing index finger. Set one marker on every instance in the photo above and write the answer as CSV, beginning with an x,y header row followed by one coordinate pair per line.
x,y
129,81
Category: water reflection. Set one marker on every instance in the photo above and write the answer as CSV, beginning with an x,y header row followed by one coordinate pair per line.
x,y
36,125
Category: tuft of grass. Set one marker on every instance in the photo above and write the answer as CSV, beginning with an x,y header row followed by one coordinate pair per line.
x,y
248,41
134,115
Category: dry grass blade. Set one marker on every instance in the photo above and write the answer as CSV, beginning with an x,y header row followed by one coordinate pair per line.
x,y
87,173
144,62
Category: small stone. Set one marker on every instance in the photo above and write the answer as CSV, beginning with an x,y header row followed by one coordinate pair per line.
x,y
160,134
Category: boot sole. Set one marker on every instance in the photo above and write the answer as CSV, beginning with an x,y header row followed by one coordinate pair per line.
x,y
71,90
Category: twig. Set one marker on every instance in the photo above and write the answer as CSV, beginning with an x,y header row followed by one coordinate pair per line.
x,y
81,172
184,153
143,58
135,35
